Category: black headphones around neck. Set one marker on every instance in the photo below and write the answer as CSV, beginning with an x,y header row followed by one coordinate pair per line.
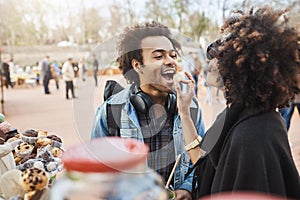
x,y
142,102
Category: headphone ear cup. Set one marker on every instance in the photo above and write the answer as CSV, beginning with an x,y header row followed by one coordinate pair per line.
x,y
171,103
141,102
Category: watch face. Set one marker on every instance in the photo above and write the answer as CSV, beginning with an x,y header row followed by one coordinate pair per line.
x,y
193,144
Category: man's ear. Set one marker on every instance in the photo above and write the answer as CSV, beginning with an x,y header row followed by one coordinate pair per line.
x,y
136,65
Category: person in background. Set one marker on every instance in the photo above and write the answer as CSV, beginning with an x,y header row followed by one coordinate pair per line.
x,y
6,74
287,112
148,60
247,147
46,74
37,71
208,96
95,69
82,69
12,66
68,77
55,73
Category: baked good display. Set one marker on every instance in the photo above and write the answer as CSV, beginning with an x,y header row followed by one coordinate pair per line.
x,y
44,159
23,149
29,136
37,159
38,164
33,179
28,157
14,141
43,141
30,133
44,153
17,159
51,166
56,141
42,133
56,152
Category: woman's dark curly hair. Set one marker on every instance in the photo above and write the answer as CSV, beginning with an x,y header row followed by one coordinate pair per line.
x,y
129,46
258,59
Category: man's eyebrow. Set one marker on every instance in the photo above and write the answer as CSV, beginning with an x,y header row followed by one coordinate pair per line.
x,y
162,50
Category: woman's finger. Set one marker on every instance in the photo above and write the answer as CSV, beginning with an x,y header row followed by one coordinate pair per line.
x,y
189,76
186,81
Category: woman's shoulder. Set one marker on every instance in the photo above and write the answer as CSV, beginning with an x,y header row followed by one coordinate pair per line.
x,y
260,128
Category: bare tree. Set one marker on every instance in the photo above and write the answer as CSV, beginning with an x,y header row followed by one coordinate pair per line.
x,y
198,24
10,24
181,10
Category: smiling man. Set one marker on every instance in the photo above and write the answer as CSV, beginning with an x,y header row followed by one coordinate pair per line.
x,y
147,109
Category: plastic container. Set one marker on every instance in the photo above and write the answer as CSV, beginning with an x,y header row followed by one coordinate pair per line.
x,y
109,168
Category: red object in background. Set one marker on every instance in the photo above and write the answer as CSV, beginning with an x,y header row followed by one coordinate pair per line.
x,y
108,154
242,196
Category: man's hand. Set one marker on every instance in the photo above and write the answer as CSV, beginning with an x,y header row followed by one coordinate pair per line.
x,y
183,195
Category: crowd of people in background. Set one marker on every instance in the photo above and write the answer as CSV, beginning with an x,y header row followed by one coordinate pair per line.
x,y
42,72
49,69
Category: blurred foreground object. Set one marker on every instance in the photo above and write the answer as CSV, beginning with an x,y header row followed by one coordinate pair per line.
x,y
108,168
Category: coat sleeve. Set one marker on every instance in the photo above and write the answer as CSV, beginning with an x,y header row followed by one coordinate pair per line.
x,y
100,128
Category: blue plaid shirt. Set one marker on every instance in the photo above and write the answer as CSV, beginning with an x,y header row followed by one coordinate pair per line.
x,y
130,128
158,135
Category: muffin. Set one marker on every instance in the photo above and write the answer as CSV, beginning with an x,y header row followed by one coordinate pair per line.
x,y
23,149
29,136
43,141
56,141
56,152
26,165
45,154
14,141
28,157
30,133
42,133
33,179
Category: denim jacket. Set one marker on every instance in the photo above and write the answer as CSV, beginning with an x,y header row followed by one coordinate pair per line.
x,y
130,128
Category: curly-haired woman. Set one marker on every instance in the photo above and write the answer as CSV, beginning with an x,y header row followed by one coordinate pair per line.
x,y
247,147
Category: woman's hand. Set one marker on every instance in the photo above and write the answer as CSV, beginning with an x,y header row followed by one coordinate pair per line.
x,y
184,99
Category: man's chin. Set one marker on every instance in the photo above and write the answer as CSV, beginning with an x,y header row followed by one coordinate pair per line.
x,y
169,88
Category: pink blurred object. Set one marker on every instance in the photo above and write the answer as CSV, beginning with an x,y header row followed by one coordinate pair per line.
x,y
242,196
5,127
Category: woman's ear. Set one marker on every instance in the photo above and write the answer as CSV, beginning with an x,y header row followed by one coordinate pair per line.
x,y
136,65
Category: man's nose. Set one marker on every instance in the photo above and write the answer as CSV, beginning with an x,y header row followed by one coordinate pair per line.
x,y
170,61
